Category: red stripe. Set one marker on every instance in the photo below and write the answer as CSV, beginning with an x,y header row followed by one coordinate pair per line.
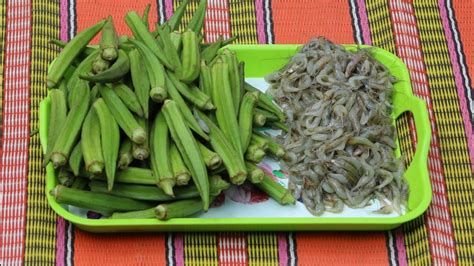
x,y
232,249
217,20
15,135
408,45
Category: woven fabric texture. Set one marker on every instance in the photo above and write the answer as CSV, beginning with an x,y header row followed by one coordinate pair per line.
x,y
432,37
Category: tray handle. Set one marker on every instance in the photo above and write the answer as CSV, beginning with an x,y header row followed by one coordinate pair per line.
x,y
419,164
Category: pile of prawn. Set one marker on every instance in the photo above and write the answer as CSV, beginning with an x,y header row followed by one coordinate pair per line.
x,y
340,143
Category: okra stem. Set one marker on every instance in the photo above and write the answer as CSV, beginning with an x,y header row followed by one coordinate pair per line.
x,y
275,191
179,209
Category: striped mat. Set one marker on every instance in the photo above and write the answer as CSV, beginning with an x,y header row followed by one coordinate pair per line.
x,y
433,38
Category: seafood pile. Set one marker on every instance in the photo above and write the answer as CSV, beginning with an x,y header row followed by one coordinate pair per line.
x,y
340,143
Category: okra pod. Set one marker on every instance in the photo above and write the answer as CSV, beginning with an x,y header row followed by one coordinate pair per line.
x,y
169,48
211,159
84,67
179,209
223,100
156,73
190,57
175,37
57,117
269,117
115,72
79,183
246,111
275,191
109,41
142,34
143,214
128,97
91,144
122,115
65,177
76,91
125,156
255,174
265,102
210,52
234,77
188,149
275,148
259,140
259,120
71,128
72,49
254,154
175,20
145,15
194,95
142,151
100,64
89,49
140,80
186,112
110,139
160,154
98,202
205,79
94,95
76,159
180,172
197,21
135,175
279,125
231,158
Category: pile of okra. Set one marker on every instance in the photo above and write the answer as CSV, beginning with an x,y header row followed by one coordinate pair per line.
x,y
156,124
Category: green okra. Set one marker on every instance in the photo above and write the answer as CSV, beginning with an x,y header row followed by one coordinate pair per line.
x,y
205,79
115,72
269,116
110,139
94,95
186,112
197,21
194,95
71,128
123,116
190,57
109,41
256,174
125,156
259,120
100,64
140,80
160,154
84,67
135,175
75,93
156,73
142,34
265,102
142,214
175,37
234,77
128,97
65,177
72,49
223,100
57,117
89,49
175,20
99,202
279,125
210,52
91,144
211,159
188,149
145,16
76,159
275,191
246,111
180,172
179,209
254,153
79,183
169,47
142,151
231,158
274,147
259,140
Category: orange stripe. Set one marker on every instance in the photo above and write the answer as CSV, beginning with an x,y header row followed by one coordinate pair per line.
x,y
90,12
119,249
464,10
333,249
298,20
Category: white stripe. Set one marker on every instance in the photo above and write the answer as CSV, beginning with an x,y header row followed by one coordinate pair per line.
x,y
356,21
461,58
162,11
69,244
391,247
72,17
269,23
291,248
170,249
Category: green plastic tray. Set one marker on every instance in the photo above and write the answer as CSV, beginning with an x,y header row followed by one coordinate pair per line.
x,y
259,61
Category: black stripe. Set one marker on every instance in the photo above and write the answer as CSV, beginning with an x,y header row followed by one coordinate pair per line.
x,y
355,21
288,252
161,8
73,237
272,32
